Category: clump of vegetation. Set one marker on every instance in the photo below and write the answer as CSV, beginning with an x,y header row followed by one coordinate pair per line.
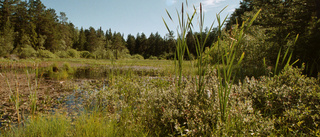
x,y
59,73
46,54
153,58
28,52
86,54
292,99
73,53
137,56
62,54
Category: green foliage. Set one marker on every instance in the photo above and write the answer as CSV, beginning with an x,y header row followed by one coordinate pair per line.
x,y
185,24
290,97
7,36
67,67
62,54
277,20
100,54
137,56
46,54
73,53
86,54
43,126
109,54
28,52
86,124
153,58
58,73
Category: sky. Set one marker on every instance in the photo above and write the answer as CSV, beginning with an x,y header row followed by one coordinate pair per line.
x,y
136,16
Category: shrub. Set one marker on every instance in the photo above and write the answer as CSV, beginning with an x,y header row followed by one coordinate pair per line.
x,y
28,52
109,54
73,53
86,54
57,73
100,54
67,67
292,98
153,58
46,54
62,54
137,56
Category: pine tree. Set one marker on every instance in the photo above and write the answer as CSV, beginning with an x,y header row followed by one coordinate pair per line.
x,y
118,45
6,39
82,40
131,44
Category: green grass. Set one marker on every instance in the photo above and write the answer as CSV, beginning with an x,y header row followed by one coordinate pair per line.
x,y
95,124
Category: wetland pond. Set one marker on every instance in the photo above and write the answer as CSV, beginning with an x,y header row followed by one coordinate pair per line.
x,y
56,88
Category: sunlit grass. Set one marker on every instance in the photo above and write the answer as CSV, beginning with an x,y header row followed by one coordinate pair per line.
x,y
95,124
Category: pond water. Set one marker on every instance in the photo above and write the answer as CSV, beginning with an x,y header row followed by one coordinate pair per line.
x,y
73,102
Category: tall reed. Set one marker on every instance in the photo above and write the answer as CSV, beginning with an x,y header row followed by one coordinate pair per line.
x,y
228,60
285,61
17,99
185,23
33,90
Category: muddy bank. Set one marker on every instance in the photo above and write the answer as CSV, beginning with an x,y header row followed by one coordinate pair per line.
x,y
18,88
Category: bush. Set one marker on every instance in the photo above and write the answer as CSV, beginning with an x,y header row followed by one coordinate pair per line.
x,y
109,54
166,56
137,56
73,53
153,58
100,54
86,54
290,97
28,52
62,54
57,73
46,54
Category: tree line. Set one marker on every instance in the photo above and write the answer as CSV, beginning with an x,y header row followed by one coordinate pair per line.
x,y
29,29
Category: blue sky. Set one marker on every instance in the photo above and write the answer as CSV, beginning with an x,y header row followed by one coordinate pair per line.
x,y
134,16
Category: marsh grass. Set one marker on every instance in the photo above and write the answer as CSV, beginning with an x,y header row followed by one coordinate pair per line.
x,y
227,59
33,88
229,62
93,124
185,24
285,62
17,100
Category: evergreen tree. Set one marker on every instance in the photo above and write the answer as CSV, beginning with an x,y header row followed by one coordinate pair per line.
x,y
131,44
141,44
6,39
118,45
91,41
82,40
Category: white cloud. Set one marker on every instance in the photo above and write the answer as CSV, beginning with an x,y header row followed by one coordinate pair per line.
x,y
170,2
208,4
